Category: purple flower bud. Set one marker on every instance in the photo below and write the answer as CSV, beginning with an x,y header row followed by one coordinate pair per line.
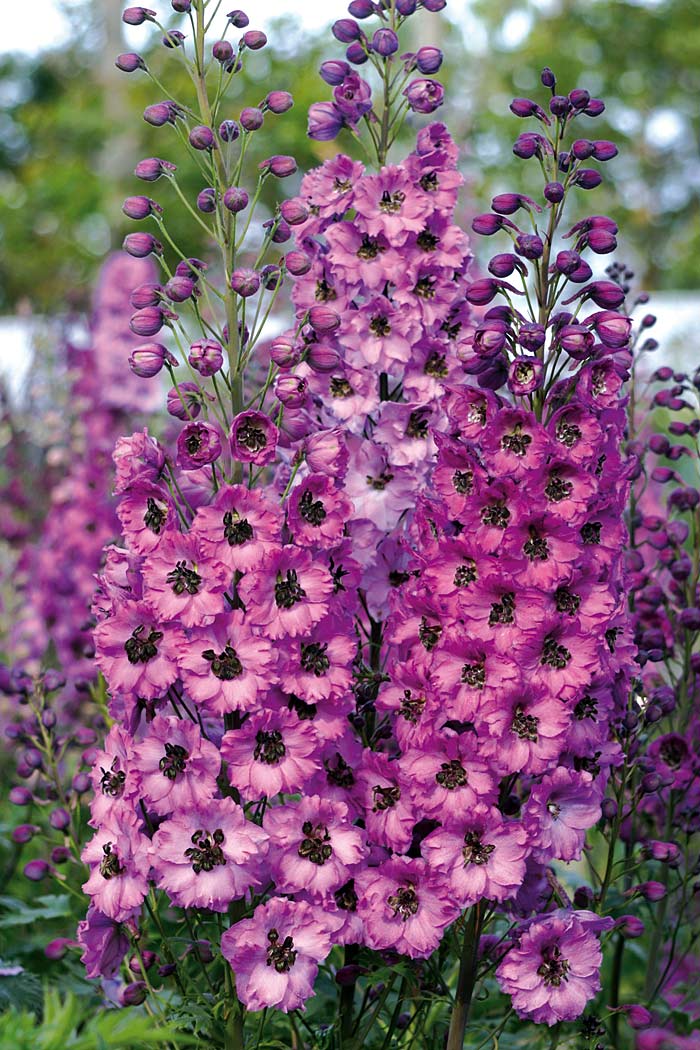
x,y
525,375
159,114
409,7
140,207
651,891
334,72
609,808
184,402
24,833
173,38
357,53
20,796
245,282
385,42
235,199
283,353
148,321
504,264
325,121
594,108
252,118
57,948
183,7
588,178
134,994
554,192
149,959
582,149
424,96
525,107
292,391
146,295
254,39
483,291
141,245
202,138
529,245
179,288
323,319
488,224
136,16
604,150
206,200
60,819
129,62
428,60
36,870
629,926
81,783
206,357
601,242
229,130
294,211
146,361
638,1016
279,166
529,143
346,30
506,203
190,268
222,51
278,101
322,358
32,757
152,168
579,98
559,105
238,18
690,619
531,336
547,77
605,294
612,329
197,445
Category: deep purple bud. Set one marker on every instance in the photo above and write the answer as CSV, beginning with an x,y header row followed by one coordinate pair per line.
x,y
604,150
531,336
559,105
24,833
361,8
129,62
183,7
507,203
629,926
582,149
245,282
434,5
146,295
136,16
334,72
547,77
488,224
424,96
609,808
554,192
184,402
60,819
601,242
294,211
595,107
483,291
357,53
690,619
201,137
20,796
297,263
160,114
283,352
173,38
605,294
57,948
322,358
529,245
134,994
141,245
206,357
206,200
238,18
638,1017
140,207
650,783
229,130
579,98
409,7
147,322
280,166
235,199
278,101
146,361
32,757
428,60
222,51
325,121
179,288
152,168
346,30
588,178
323,319
524,107
254,39
612,329
81,783
503,265
385,42
291,390
252,118
530,143
36,870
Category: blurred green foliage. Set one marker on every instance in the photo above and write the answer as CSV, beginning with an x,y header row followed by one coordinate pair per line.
x,y
71,128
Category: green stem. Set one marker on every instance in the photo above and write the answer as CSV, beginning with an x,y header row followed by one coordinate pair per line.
x,y
465,982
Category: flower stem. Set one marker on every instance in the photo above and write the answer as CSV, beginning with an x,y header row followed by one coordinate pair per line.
x,y
465,981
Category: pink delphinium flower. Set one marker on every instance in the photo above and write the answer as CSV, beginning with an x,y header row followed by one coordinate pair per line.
x,y
177,766
119,864
182,584
238,527
271,752
288,593
559,811
137,651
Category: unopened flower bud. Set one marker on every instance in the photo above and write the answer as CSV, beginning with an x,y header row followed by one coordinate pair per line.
x,y
385,42
136,16
323,319
554,192
238,18
245,282
57,948
428,60
24,833
252,118
202,138
322,358
146,361
254,39
206,357
346,30
206,200
36,870
229,130
630,926
134,994
222,51
278,101
173,38
588,178
638,1016
140,245
279,166
235,199
547,77
334,72
424,96
129,62
153,168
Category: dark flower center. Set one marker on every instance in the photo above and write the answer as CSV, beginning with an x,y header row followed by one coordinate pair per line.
x,y
315,846
288,590
346,897
474,675
568,434
206,853
463,482
251,437
555,967
325,293
427,241
554,809
173,761
474,851
495,514
193,443
226,666
380,326
154,518
269,747
436,365
465,574
140,650
516,442
536,548
503,611
611,637
673,752
236,530
429,182
340,387
310,509
397,578
281,956
404,903
109,865
587,707
558,489
411,706
342,185
554,654
314,659
381,481
524,726
390,203
590,532
112,780
424,288
417,426
304,712
384,797
566,601
370,248
452,775
339,774
429,634
184,580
